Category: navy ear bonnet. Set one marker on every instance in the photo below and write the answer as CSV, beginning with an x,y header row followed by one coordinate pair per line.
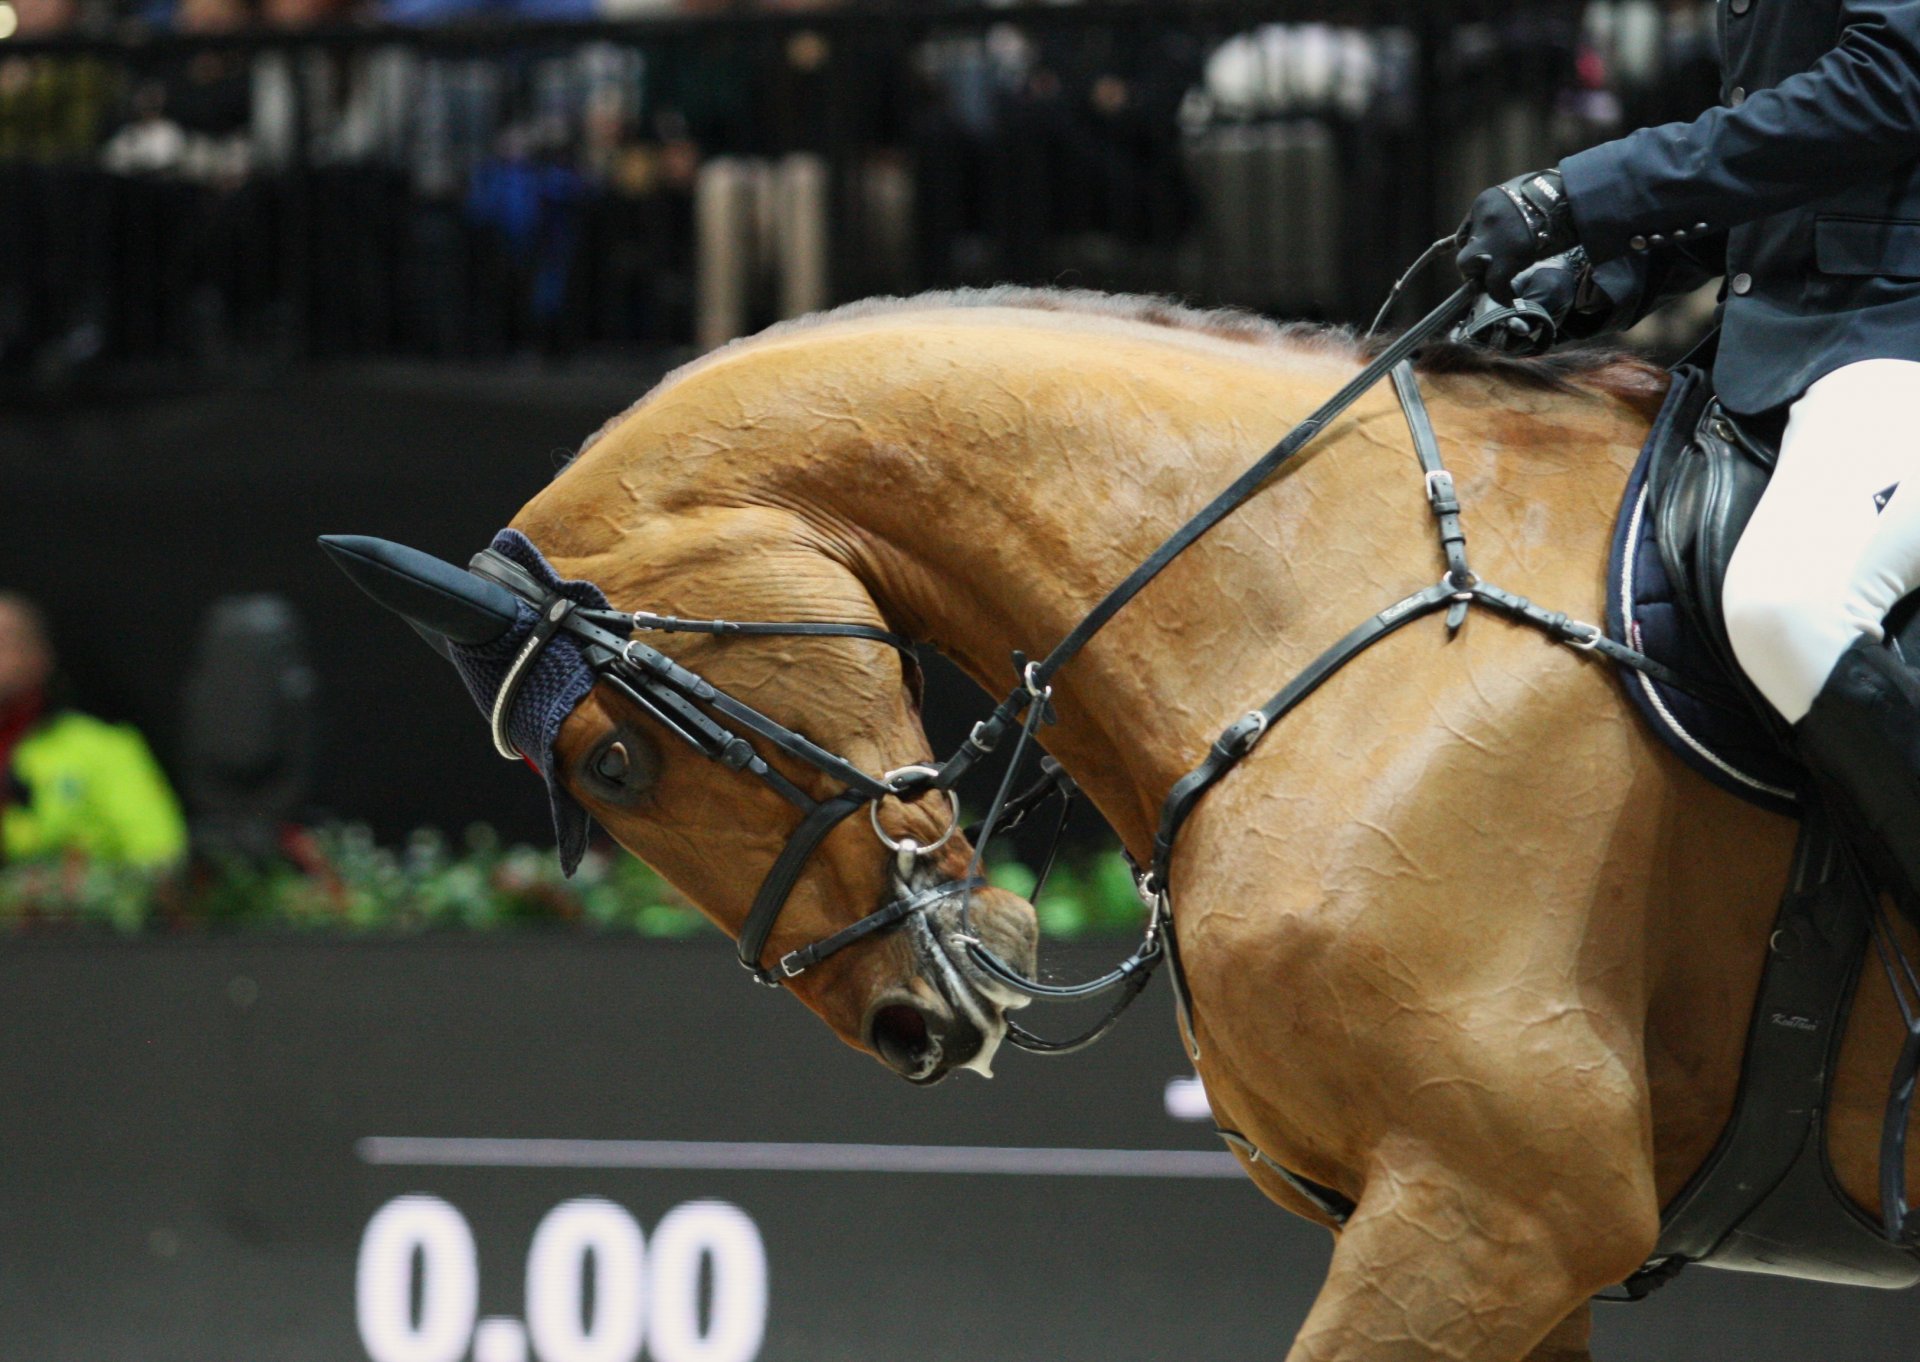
x,y
559,680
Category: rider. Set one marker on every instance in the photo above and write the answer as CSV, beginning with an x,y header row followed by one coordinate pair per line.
x,y
1803,190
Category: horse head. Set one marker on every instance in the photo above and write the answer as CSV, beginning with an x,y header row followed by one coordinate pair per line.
x,y
699,758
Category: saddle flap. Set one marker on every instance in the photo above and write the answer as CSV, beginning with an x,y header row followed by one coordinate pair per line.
x,y
1704,491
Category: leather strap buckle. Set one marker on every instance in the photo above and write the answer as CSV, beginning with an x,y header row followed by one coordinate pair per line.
x,y
1585,637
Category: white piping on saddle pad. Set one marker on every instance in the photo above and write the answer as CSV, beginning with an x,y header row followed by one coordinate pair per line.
x,y
1645,682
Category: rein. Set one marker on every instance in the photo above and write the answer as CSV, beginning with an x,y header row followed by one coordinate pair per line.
x,y
681,700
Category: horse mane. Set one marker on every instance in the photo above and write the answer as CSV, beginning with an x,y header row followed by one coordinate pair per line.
x,y
1606,369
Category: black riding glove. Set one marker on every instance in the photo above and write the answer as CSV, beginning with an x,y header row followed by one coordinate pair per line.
x,y
1512,226
1544,302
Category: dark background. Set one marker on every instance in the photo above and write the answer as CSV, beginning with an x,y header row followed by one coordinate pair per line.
x,y
183,1185
127,519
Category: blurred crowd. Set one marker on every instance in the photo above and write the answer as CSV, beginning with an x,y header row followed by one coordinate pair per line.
x,y
208,203
235,200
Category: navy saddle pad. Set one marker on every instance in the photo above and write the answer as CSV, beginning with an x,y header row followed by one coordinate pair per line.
x,y
1698,498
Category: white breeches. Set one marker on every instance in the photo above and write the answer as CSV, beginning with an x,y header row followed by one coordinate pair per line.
x,y
1828,553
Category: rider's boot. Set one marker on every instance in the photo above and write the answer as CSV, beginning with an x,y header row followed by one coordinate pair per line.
x,y
1861,741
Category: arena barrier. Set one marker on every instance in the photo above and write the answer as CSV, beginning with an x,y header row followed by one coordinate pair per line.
x,y
554,1148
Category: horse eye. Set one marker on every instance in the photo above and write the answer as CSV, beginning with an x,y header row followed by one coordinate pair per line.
x,y
621,769
613,763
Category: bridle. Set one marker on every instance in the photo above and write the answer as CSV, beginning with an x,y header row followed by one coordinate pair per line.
x,y
680,700
707,718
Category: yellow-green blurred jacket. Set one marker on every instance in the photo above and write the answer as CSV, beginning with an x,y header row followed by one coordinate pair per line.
x,y
80,785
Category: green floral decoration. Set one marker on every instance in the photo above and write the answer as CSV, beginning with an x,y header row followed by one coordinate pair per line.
x,y
339,878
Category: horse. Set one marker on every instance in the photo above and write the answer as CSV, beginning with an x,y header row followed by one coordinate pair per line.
x,y
1463,942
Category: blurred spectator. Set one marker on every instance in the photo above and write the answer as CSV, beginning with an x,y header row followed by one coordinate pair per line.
x,y
201,282
1051,153
527,200
316,106
70,784
54,243
193,118
52,109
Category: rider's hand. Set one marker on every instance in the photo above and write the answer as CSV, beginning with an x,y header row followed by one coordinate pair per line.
x,y
1512,226
1544,299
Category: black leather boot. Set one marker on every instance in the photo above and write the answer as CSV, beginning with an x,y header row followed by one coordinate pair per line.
x,y
1861,741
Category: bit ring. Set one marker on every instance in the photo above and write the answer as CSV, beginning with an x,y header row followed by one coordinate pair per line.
x,y
897,845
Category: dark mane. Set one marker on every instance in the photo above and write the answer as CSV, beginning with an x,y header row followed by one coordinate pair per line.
x,y
1611,370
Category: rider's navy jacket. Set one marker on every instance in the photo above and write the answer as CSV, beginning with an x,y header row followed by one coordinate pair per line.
x,y
1803,188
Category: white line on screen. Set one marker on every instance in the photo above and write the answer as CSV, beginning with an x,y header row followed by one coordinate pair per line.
x,y
425,1151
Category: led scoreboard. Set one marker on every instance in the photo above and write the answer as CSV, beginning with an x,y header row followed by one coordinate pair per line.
x,y
567,1149
564,1149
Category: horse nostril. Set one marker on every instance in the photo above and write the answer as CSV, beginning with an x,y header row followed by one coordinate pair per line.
x,y
901,1038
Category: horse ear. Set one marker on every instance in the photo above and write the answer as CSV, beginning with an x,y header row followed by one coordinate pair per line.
x,y
436,598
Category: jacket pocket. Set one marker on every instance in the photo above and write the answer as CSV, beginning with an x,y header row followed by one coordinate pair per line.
x,y
1874,247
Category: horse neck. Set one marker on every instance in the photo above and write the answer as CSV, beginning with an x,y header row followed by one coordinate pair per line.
x,y
990,479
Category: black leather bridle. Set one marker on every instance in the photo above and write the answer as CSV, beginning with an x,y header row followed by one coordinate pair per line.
x,y
680,700
701,714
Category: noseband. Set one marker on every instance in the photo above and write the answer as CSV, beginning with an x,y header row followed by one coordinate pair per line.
x,y
700,713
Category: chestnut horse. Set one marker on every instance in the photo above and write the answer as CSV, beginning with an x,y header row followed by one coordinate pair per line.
x,y
1465,943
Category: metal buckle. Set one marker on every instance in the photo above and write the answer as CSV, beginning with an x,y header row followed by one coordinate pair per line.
x,y
1586,642
765,978
1159,913
1037,691
1244,744
786,969
891,778
1436,480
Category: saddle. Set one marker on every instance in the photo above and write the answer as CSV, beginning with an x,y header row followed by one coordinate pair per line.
x,y
1766,1200
1698,481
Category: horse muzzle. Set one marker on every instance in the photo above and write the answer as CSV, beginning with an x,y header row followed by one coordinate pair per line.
x,y
956,1018
923,1043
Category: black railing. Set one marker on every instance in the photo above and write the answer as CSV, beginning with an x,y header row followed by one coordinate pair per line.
x,y
482,191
